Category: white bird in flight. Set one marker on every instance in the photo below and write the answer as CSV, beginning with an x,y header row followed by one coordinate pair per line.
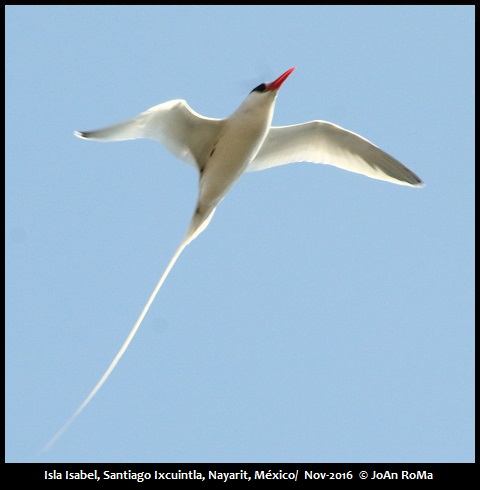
x,y
223,149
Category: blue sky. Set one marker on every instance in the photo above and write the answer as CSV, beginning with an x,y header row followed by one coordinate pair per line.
x,y
322,316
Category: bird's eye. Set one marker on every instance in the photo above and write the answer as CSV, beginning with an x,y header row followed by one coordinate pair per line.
x,y
260,88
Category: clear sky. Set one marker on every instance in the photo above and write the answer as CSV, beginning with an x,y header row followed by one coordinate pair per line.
x,y
322,316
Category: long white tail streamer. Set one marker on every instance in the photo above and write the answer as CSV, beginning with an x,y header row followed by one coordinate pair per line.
x,y
125,345
198,223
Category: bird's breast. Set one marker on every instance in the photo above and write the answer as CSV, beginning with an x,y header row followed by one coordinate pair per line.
x,y
228,158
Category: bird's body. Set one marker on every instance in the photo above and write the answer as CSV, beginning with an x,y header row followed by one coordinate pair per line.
x,y
239,140
223,149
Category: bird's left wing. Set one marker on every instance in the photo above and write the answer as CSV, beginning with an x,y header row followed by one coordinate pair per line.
x,y
174,124
324,142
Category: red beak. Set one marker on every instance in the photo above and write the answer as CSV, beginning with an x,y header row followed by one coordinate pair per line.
x,y
278,82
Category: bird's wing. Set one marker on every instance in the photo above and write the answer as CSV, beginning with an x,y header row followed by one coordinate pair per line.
x,y
187,134
324,142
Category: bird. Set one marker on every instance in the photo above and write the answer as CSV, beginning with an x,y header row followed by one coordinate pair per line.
x,y
221,150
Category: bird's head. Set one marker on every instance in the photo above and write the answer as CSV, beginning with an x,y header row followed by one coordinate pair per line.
x,y
272,86
261,100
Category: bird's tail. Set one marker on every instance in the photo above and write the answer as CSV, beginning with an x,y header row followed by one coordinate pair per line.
x,y
197,225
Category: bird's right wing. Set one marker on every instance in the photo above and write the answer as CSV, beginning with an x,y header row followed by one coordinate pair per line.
x,y
324,142
174,124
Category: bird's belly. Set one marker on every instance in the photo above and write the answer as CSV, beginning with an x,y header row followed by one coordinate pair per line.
x,y
226,164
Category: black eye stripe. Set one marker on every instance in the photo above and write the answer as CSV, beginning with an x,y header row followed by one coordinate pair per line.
x,y
260,88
